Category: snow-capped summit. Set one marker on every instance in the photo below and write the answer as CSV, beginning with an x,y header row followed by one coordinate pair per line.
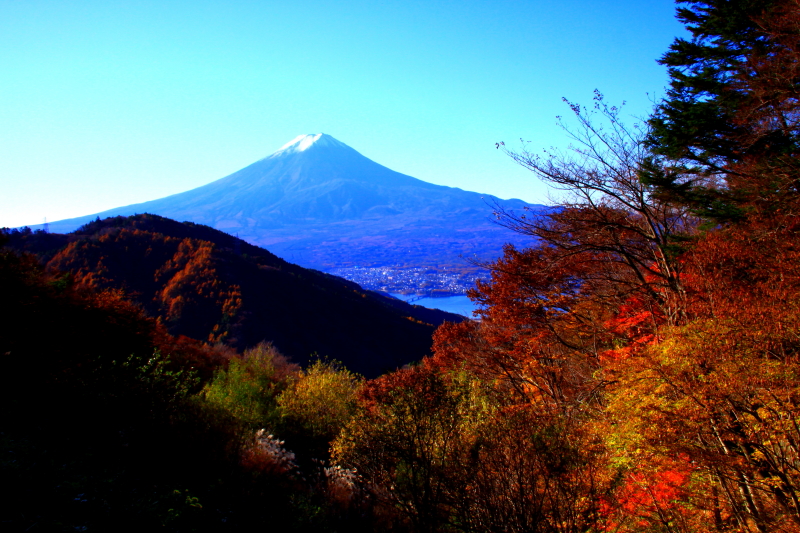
x,y
302,143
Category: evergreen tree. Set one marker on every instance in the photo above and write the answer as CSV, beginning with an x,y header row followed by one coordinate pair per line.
x,y
722,127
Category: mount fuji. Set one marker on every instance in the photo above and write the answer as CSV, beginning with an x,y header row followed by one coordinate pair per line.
x,y
321,204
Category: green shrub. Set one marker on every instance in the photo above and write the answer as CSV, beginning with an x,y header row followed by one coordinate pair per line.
x,y
248,388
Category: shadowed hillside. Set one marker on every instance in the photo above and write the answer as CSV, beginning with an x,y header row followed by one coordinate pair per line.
x,y
210,286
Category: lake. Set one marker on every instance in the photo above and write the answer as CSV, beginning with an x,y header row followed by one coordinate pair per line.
x,y
459,304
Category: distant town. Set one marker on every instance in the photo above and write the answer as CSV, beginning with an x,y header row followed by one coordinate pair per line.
x,y
413,281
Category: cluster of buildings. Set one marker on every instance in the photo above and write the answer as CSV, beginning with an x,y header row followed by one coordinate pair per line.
x,y
411,280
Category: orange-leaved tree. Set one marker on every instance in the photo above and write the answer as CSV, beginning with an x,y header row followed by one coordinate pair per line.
x,y
722,390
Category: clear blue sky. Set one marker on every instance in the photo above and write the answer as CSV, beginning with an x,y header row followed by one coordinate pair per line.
x,y
109,103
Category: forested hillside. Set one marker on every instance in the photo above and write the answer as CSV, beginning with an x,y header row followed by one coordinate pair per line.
x,y
636,369
111,424
210,286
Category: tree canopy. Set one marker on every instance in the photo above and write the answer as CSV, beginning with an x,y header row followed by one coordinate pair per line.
x,y
728,125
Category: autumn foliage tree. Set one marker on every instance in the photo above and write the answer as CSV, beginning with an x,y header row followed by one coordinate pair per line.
x,y
405,441
670,337
186,288
638,363
720,391
603,275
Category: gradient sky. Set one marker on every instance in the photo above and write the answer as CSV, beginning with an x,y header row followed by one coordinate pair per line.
x,y
109,103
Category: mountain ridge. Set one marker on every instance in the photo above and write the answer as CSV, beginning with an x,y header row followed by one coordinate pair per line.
x,y
213,287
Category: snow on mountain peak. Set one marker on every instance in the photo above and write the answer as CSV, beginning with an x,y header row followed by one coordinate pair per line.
x,y
302,143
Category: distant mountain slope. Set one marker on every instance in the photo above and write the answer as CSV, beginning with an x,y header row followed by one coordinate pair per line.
x,y
207,285
320,203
